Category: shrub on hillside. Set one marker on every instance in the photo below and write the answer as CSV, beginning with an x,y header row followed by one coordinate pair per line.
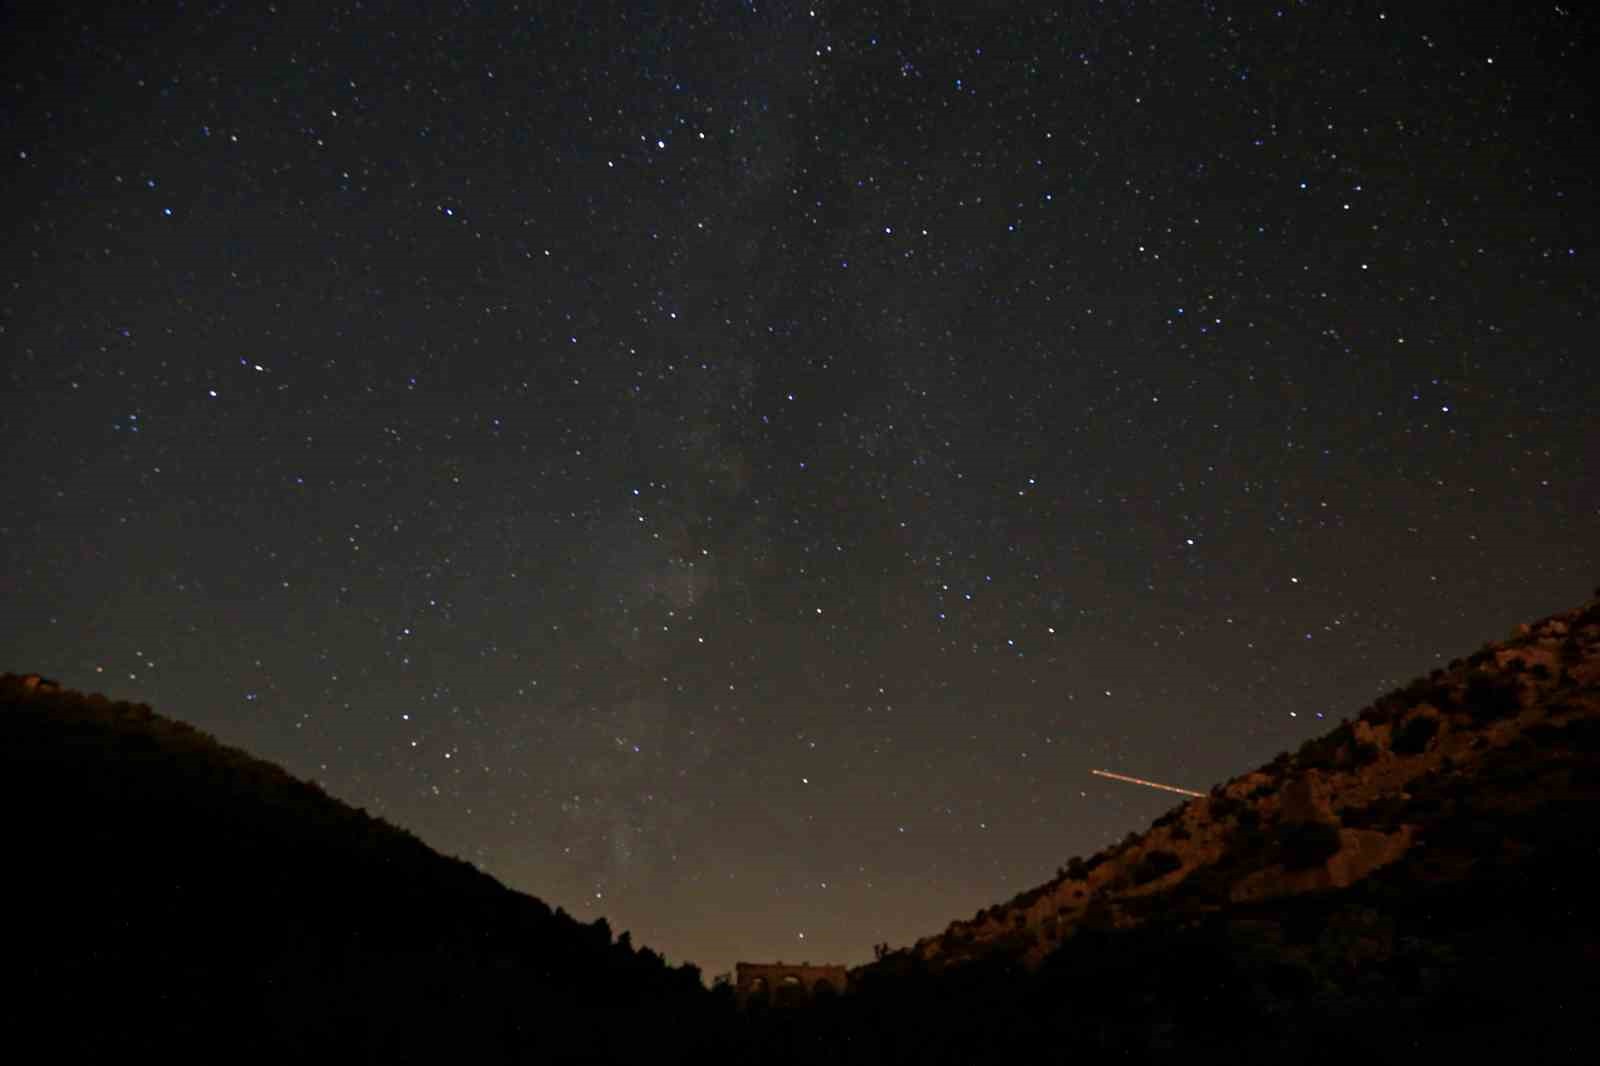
x,y
1382,813
1584,735
1306,844
1414,737
1224,806
1247,840
1335,751
1418,691
1155,864
1544,735
1490,698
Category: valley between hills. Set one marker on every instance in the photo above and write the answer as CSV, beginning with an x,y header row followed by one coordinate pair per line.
x,y
1417,881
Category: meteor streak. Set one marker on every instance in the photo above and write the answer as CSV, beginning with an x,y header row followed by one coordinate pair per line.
x,y
1147,784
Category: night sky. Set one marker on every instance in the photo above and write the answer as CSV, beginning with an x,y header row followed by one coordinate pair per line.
x,y
736,468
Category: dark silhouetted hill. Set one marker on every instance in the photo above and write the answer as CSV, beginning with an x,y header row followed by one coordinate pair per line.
x,y
172,899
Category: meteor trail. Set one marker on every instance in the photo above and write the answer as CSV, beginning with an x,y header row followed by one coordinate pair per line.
x,y
1147,784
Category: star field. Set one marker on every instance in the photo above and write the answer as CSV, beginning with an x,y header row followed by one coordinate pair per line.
x,y
735,470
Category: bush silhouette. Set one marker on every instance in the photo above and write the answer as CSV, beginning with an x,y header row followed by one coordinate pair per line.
x,y
1155,864
1307,844
1491,698
1413,737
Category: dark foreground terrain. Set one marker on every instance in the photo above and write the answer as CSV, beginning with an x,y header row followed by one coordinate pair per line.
x,y
173,897
1419,883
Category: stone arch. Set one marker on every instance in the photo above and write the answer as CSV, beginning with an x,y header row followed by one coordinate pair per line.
x,y
779,984
790,991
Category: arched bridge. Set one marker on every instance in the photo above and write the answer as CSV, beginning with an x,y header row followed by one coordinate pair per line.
x,y
782,984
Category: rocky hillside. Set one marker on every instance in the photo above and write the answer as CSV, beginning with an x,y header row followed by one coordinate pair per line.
x,y
1436,779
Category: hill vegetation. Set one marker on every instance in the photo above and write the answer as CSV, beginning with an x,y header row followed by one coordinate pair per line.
x,y
1508,734
1417,881
174,897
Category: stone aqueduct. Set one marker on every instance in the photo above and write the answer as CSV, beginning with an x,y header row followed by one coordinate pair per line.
x,y
780,984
